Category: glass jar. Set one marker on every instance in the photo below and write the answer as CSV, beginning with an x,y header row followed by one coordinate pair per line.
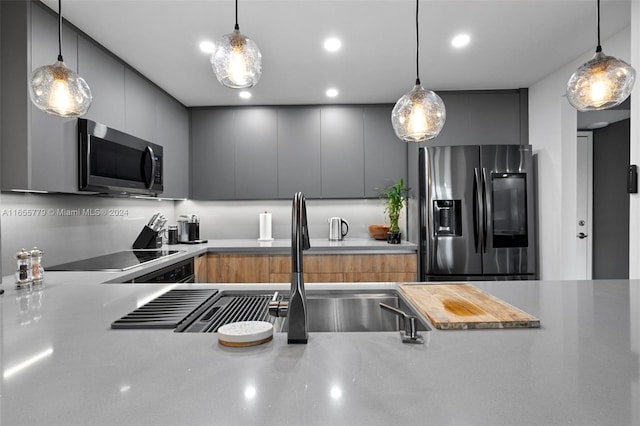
x,y
37,271
23,270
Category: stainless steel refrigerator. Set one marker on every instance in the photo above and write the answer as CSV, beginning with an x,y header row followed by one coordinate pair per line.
x,y
477,209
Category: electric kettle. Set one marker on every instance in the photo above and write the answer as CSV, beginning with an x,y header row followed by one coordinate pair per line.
x,y
337,229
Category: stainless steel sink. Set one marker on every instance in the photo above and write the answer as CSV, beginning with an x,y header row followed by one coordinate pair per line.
x,y
349,311
327,311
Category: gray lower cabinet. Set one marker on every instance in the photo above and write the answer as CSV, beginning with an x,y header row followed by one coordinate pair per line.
x,y
213,154
256,153
299,152
105,76
385,156
342,159
172,132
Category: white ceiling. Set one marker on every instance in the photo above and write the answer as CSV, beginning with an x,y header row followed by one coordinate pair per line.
x,y
513,45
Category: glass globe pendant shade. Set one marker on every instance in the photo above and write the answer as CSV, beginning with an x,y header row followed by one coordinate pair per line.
x,y
418,115
237,61
58,90
601,83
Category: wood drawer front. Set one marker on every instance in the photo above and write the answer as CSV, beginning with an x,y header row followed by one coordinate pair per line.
x,y
380,263
333,277
354,277
235,268
312,263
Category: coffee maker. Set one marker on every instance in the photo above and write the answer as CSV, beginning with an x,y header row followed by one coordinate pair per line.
x,y
189,229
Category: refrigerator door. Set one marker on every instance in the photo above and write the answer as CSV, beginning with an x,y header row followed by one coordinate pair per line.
x,y
508,244
450,217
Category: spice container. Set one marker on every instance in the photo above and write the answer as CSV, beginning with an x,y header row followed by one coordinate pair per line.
x,y
23,270
37,271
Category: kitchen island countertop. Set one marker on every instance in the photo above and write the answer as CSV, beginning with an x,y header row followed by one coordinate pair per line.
x,y
63,365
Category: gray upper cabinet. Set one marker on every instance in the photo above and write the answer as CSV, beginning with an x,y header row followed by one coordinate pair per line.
x,y
54,151
105,76
299,152
172,132
39,150
256,156
481,118
385,156
213,155
140,99
342,157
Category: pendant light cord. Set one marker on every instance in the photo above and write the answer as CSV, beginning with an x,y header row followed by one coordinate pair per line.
x,y
60,30
237,27
599,48
417,47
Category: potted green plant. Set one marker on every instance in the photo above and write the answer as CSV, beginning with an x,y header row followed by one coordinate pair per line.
x,y
396,197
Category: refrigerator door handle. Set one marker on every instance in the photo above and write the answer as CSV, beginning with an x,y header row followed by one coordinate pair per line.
x,y
477,210
486,208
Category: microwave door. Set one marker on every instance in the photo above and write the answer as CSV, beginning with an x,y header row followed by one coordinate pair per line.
x,y
148,167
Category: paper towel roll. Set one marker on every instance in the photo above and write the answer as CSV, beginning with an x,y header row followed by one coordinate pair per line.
x,y
265,226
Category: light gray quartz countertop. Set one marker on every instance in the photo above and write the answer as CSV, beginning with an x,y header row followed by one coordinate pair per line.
x,y
247,246
63,365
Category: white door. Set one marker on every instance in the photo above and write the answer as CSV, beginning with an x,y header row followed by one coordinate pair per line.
x,y
584,206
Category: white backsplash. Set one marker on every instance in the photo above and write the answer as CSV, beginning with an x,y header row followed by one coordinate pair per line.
x,y
72,227
241,219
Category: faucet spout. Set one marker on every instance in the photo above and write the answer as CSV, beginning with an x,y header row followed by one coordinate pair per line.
x,y
298,330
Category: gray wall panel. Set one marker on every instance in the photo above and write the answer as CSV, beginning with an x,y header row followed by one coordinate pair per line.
x,y
611,201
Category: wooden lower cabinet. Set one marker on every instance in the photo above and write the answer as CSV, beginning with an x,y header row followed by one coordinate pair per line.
x,y
200,265
250,268
238,268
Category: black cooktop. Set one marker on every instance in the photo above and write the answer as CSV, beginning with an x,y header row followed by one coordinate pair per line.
x,y
120,261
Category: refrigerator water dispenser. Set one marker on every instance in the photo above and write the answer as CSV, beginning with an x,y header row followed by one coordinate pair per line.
x,y
447,215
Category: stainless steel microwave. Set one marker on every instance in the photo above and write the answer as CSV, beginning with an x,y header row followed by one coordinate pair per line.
x,y
113,162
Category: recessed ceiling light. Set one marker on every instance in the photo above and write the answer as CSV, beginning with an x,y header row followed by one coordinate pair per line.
x,y
207,46
332,44
244,94
332,93
460,40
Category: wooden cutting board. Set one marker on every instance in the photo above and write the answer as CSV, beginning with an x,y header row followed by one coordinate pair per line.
x,y
462,306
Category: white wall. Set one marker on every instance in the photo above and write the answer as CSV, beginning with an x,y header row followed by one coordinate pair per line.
x,y
552,133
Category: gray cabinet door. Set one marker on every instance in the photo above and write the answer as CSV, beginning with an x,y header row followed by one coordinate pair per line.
x,y
494,118
105,76
456,129
385,156
139,106
256,142
173,134
299,152
53,143
342,157
212,155
480,118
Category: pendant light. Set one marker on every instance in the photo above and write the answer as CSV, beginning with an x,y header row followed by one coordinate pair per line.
x,y
420,114
601,83
58,90
236,60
